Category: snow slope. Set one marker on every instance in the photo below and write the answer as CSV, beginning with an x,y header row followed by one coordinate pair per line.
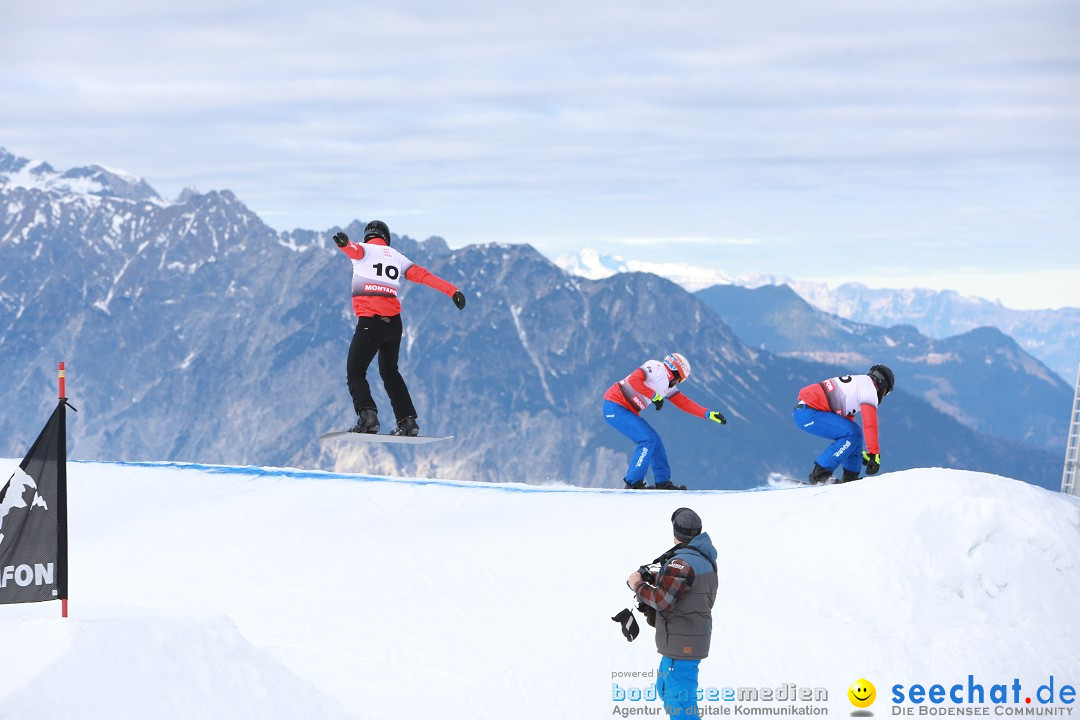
x,y
217,592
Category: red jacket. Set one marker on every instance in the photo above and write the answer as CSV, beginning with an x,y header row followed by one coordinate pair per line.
x,y
633,393
845,396
375,284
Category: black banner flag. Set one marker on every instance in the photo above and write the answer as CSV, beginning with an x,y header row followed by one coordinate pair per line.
x,y
33,519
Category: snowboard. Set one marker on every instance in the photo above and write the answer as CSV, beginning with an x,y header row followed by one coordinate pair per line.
x,y
375,438
778,481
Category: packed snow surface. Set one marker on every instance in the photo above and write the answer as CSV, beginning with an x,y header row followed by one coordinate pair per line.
x,y
218,592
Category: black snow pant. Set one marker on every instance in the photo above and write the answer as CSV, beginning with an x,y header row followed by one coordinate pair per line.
x,y
382,335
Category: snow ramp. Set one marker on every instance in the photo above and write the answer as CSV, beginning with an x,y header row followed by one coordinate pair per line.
x,y
229,590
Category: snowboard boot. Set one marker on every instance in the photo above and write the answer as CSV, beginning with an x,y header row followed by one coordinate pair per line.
x,y
406,426
669,486
850,476
639,485
820,475
368,422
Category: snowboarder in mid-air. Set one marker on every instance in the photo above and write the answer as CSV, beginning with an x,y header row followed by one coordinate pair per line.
x,y
378,271
828,409
654,382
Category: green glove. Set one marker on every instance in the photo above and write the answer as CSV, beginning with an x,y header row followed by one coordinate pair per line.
x,y
872,462
716,417
658,401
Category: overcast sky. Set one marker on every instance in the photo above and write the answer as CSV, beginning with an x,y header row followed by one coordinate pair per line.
x,y
931,143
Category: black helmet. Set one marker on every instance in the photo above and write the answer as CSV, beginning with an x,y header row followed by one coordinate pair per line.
x,y
883,380
377,229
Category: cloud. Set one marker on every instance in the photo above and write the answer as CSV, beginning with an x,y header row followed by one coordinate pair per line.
x,y
931,129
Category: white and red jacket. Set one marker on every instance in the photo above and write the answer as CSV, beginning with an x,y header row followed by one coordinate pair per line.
x,y
635,391
378,270
846,395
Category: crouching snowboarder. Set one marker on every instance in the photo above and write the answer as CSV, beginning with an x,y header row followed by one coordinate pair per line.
x,y
828,408
378,271
654,382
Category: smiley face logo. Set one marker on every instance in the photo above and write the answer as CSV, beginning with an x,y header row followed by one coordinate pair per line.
x,y
862,693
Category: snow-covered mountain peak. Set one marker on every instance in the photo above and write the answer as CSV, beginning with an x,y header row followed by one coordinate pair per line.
x,y
94,180
186,194
589,263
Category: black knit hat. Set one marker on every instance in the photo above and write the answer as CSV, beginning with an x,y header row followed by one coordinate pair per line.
x,y
686,523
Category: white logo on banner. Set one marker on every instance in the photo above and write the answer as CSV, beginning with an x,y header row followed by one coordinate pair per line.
x,y
14,498
23,575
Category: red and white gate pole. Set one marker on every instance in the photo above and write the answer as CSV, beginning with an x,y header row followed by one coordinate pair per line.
x,y
63,397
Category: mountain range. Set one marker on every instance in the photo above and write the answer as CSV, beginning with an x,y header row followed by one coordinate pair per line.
x,y
965,376
1052,336
194,331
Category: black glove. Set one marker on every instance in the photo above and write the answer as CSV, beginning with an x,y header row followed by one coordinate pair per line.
x,y
459,300
628,624
341,239
872,462
658,402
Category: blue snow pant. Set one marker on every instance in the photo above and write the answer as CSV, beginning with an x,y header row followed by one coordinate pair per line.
x,y
650,449
848,437
676,684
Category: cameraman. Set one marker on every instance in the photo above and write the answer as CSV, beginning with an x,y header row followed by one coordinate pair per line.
x,y
682,595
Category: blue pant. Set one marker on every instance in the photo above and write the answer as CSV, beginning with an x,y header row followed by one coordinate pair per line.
x,y
650,449
848,437
676,684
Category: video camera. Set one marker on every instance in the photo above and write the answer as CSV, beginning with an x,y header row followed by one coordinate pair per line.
x,y
648,572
